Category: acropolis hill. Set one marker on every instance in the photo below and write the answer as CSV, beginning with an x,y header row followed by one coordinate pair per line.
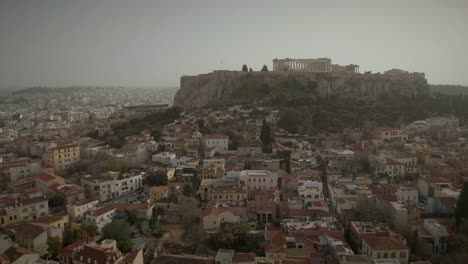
x,y
301,77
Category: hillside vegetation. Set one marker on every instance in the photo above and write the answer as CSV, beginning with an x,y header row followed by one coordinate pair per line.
x,y
449,89
305,111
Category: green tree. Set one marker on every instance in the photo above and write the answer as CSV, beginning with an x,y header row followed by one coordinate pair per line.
x,y
266,135
187,191
264,68
120,231
461,212
90,229
54,246
157,179
70,236
250,70
245,68
56,201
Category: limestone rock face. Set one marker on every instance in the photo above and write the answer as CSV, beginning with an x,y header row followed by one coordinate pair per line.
x,y
225,87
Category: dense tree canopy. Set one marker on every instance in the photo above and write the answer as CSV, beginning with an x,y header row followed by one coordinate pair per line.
x,y
119,230
461,212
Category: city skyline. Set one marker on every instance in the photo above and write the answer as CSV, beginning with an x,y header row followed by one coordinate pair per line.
x,y
153,43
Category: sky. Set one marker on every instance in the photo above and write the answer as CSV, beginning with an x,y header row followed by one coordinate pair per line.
x,y
152,43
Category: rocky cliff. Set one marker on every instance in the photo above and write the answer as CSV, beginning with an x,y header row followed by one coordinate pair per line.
x,y
270,88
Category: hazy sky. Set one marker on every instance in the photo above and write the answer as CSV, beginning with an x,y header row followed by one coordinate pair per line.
x,y
153,43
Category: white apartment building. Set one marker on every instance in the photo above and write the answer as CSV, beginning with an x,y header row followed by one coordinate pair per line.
x,y
405,194
33,208
77,210
259,179
110,184
218,141
310,191
219,163
164,157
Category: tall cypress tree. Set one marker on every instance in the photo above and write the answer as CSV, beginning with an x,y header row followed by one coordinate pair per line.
x,y
266,134
461,212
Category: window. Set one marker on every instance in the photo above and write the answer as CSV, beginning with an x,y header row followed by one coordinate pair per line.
x,y
393,255
403,254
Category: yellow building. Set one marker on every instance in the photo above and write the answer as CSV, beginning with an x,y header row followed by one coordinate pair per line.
x,y
62,156
158,192
223,193
388,134
8,217
61,221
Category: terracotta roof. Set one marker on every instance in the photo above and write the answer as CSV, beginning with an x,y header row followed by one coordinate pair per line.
x,y
384,243
7,201
216,136
28,231
83,202
383,129
186,259
46,177
120,207
437,180
67,146
32,200
159,189
54,187
97,254
131,256
68,250
215,211
243,257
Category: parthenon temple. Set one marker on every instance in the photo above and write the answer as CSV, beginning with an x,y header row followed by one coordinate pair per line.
x,y
312,65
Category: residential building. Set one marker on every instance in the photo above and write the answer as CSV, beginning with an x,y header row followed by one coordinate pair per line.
x,y
77,210
214,218
433,235
218,141
108,185
310,191
104,215
259,179
393,135
32,208
157,193
385,248
62,156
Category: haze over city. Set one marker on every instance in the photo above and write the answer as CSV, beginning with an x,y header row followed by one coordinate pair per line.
x,y
233,132
152,43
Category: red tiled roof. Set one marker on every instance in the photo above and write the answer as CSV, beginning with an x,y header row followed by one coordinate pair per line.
x,y
97,254
54,187
131,256
384,243
32,200
243,257
83,202
120,207
67,146
216,136
437,180
215,211
159,189
46,177
68,250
